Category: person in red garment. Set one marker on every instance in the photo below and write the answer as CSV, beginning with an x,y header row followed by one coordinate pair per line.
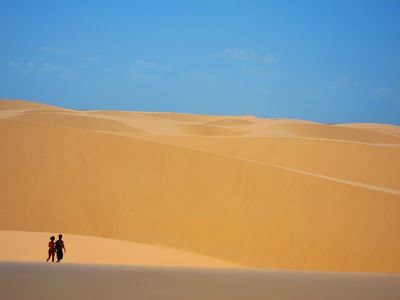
x,y
60,247
52,249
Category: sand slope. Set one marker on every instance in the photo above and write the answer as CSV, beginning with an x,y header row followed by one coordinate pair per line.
x,y
24,246
364,163
320,198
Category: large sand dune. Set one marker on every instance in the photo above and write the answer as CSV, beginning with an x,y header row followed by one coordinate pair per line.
x,y
307,197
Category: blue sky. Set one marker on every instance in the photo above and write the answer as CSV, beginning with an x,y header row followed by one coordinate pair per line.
x,y
328,61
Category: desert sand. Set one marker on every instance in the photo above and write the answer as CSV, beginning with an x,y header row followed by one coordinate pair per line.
x,y
202,191
71,281
94,250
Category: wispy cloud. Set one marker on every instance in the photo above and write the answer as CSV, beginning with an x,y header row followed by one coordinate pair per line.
x,y
340,82
269,59
148,70
260,91
245,55
200,77
146,64
344,82
139,74
76,56
23,67
51,50
91,58
234,54
383,92
26,68
47,67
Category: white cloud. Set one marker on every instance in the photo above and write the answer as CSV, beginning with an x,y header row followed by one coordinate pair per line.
x,y
383,92
339,82
245,55
95,57
28,67
24,67
231,53
234,53
269,59
145,74
51,50
261,91
200,77
146,64
344,82
149,70
49,67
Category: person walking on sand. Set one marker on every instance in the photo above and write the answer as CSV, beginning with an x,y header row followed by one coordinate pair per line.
x,y
52,249
60,247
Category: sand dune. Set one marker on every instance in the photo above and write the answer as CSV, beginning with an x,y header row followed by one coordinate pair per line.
x,y
6,104
250,201
216,192
229,122
77,121
195,129
184,117
69,281
323,198
336,133
382,128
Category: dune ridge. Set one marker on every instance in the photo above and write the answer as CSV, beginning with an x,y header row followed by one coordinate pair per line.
x,y
12,104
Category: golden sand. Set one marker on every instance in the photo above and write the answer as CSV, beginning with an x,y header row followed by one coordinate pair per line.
x,y
264,193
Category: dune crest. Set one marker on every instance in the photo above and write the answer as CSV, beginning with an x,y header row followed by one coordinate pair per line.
x,y
8,104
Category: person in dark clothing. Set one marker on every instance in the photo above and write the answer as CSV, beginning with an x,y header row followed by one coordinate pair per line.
x,y
59,248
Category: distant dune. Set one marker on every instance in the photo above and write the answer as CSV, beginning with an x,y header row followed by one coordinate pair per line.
x,y
381,128
196,129
6,104
265,193
230,122
77,121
